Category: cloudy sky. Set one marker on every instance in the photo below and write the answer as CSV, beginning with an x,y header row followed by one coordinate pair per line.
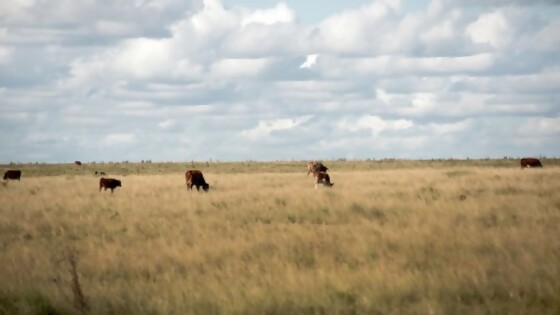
x,y
177,80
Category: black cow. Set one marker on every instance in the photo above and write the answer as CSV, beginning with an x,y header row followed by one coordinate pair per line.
x,y
530,162
110,183
195,178
12,174
322,178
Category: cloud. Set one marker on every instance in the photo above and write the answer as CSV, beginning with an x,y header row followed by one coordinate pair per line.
x,y
118,139
239,82
5,54
492,28
310,61
281,13
264,128
166,124
240,68
376,124
540,126
451,128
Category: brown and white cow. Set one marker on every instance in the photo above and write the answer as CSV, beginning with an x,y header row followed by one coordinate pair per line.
x,y
195,178
110,183
12,174
322,178
315,166
530,162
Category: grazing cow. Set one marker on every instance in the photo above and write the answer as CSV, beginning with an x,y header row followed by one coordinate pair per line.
x,y
100,173
195,178
110,183
530,162
316,166
12,174
77,163
322,178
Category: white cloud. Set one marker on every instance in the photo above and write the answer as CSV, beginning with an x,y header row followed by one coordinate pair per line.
x,y
240,68
166,124
451,128
144,58
383,96
541,126
492,28
310,61
351,31
281,13
265,127
5,55
376,124
113,28
400,65
118,139
446,72
44,138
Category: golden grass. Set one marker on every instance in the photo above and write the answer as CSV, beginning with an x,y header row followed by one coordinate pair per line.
x,y
451,240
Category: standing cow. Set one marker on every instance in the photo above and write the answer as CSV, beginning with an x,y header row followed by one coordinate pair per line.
x,y
322,178
195,178
110,183
12,174
315,166
530,162
77,163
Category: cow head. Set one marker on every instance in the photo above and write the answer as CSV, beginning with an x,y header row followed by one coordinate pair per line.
x,y
316,166
205,187
118,183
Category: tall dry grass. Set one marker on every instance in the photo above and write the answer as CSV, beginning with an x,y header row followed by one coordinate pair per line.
x,y
417,241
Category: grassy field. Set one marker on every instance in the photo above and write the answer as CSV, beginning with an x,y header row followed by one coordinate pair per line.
x,y
160,168
391,237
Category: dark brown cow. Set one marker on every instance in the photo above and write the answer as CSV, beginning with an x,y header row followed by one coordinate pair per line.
x,y
12,174
110,183
322,178
195,178
530,162
78,163
315,166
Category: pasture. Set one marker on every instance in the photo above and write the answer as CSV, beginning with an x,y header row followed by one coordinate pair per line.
x,y
417,238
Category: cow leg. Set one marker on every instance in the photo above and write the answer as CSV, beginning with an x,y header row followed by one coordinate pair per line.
x,y
112,190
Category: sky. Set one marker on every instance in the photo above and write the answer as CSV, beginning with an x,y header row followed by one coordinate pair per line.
x,y
232,80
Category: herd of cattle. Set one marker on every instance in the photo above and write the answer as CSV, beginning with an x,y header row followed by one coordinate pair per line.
x,y
192,177
196,178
